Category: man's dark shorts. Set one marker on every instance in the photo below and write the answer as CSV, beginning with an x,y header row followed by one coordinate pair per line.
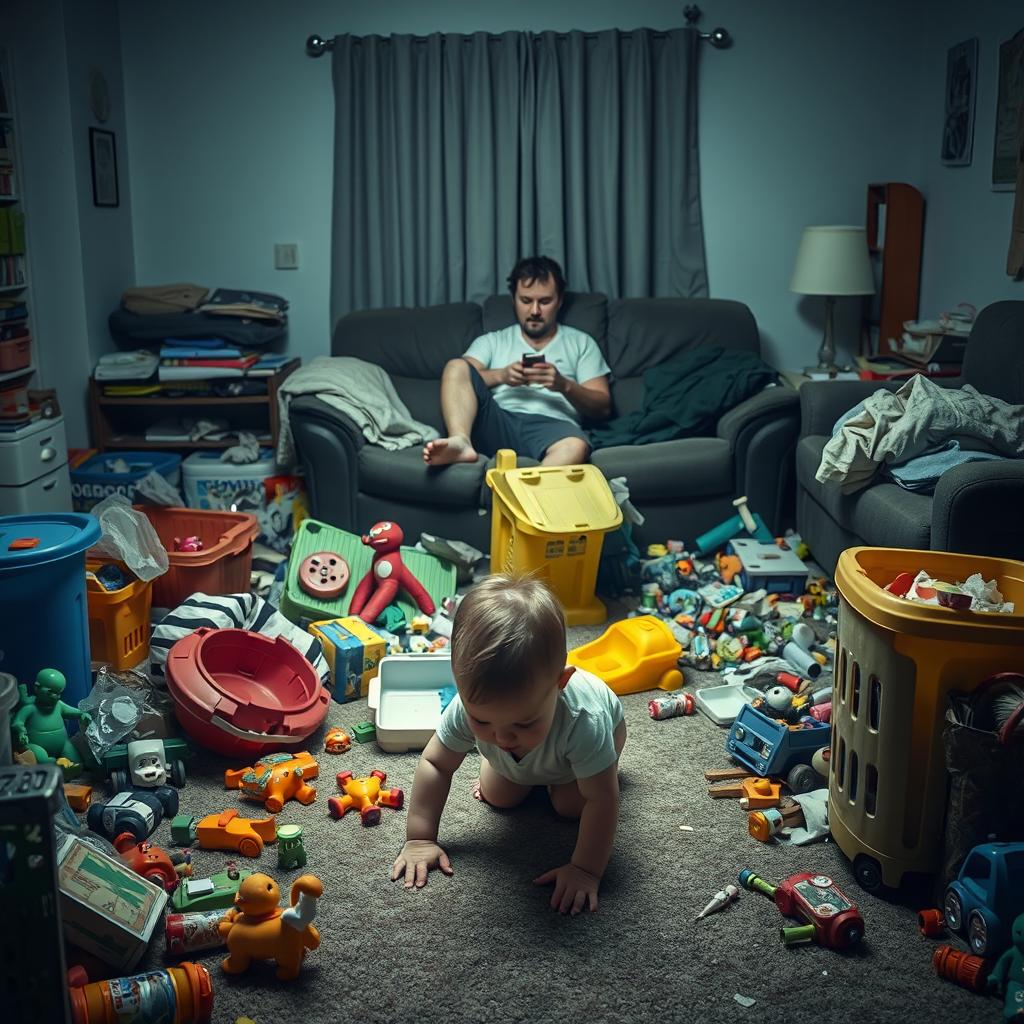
x,y
525,433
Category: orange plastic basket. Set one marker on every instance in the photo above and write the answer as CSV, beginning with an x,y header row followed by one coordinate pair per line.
x,y
897,662
119,626
222,567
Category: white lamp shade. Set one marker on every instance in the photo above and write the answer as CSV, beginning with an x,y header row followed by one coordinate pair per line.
x,y
833,260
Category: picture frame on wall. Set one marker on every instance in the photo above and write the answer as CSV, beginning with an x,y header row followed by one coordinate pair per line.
x,y
961,89
1009,98
103,150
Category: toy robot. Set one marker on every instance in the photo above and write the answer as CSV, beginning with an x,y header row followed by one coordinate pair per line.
x,y
38,725
387,575
291,853
1007,977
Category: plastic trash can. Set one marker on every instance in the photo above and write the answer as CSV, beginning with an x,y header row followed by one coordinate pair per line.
x,y
896,663
43,611
552,520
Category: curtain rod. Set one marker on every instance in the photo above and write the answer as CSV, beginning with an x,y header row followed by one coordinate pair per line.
x,y
719,38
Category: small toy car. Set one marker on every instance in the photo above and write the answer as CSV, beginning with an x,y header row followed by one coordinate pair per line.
x,y
138,811
986,897
337,741
183,829
146,764
227,831
214,893
275,779
160,867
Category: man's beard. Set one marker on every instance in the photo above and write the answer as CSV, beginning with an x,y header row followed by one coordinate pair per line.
x,y
535,329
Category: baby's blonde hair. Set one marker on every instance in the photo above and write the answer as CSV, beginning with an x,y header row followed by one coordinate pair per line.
x,y
509,631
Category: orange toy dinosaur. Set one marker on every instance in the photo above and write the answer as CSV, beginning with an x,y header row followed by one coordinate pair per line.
x,y
365,796
256,928
275,779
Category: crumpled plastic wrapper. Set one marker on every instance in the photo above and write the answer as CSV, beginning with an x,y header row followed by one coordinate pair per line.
x,y
246,451
129,536
620,492
985,595
115,711
157,490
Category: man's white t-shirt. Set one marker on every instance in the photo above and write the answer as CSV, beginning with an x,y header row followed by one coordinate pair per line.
x,y
574,354
580,743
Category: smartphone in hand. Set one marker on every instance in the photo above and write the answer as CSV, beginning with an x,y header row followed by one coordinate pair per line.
x,y
533,358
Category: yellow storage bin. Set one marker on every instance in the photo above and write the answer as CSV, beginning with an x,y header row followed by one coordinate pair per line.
x,y
896,663
551,520
119,626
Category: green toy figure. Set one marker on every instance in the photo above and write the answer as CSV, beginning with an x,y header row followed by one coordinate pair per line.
x,y
290,851
38,725
1007,977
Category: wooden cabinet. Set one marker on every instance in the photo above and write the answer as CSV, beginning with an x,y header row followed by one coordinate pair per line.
x,y
120,422
895,228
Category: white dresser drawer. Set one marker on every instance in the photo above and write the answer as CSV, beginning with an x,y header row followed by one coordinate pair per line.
x,y
49,493
28,454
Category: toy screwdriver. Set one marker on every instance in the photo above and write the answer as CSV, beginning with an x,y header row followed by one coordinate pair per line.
x,y
830,918
720,900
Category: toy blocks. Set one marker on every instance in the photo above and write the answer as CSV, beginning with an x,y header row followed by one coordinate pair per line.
x,y
364,732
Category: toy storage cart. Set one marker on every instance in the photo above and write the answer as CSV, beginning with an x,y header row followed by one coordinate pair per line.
x,y
43,620
222,567
552,520
896,663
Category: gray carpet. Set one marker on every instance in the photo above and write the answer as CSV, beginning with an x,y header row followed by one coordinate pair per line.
x,y
484,946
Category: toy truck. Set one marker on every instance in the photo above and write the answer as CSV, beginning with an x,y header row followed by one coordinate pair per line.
x,y
772,748
138,812
146,764
982,902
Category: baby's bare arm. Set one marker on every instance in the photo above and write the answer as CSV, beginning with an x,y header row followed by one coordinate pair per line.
x,y
430,788
597,821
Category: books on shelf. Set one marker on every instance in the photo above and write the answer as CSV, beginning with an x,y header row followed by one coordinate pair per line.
x,y
891,368
12,271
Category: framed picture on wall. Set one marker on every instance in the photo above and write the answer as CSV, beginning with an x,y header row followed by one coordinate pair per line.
x,y
104,168
961,88
1010,97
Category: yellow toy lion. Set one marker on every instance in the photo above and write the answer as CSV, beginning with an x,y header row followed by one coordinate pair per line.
x,y
256,928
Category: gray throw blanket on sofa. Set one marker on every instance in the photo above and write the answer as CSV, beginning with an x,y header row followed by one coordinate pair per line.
x,y
688,396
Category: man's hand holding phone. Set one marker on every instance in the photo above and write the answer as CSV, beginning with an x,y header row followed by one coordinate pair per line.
x,y
537,370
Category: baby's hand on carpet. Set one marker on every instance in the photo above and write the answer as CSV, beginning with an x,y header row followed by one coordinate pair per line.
x,y
418,856
574,888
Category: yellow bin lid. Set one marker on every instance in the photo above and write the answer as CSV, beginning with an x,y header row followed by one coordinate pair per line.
x,y
555,499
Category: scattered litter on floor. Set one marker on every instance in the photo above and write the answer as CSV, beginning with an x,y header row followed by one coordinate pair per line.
x,y
744,1000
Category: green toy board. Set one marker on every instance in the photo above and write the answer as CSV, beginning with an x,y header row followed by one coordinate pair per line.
x,y
312,536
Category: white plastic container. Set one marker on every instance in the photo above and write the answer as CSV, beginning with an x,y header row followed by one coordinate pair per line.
x,y
722,703
406,698
227,486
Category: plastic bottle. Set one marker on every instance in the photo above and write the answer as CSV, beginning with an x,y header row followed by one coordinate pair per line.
x,y
177,995
968,971
671,706
191,933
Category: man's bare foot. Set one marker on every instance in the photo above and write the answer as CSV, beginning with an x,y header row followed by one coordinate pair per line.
x,y
477,794
446,450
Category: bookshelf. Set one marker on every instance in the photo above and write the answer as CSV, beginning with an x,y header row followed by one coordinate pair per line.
x,y
18,356
119,422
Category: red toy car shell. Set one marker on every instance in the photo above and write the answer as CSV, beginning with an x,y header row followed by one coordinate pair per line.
x,y
153,863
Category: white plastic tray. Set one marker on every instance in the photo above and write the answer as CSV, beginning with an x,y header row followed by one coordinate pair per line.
x,y
722,703
405,699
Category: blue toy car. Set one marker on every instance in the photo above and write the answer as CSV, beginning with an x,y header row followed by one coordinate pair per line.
x,y
986,897
137,811
769,747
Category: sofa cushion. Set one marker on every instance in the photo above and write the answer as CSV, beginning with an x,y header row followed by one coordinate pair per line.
x,y
408,342
586,311
884,514
689,467
645,332
405,477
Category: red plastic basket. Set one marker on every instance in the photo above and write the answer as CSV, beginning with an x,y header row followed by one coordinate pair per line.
x,y
222,567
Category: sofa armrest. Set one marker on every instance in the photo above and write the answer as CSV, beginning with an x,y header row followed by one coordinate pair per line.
x,y
767,404
327,443
977,509
822,402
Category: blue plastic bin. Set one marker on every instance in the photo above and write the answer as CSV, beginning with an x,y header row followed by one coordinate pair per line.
x,y
93,480
44,620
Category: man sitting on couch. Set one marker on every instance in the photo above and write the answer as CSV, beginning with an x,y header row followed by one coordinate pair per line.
x,y
545,377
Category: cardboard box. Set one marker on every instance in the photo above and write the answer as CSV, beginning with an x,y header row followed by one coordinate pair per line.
x,y
106,908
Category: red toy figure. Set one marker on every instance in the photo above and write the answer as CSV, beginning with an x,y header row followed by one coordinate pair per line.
x,y
387,575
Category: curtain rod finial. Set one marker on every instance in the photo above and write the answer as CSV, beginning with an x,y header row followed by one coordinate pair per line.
x,y
692,13
719,38
316,46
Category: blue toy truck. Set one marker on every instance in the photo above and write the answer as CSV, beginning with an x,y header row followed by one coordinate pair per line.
x,y
986,897
772,748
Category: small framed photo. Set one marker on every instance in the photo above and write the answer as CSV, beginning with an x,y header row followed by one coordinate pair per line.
x,y
1008,109
961,87
104,168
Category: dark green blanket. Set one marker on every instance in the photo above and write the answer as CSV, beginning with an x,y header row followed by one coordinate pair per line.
x,y
688,396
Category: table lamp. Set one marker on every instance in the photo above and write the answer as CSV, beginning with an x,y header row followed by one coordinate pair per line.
x,y
832,261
